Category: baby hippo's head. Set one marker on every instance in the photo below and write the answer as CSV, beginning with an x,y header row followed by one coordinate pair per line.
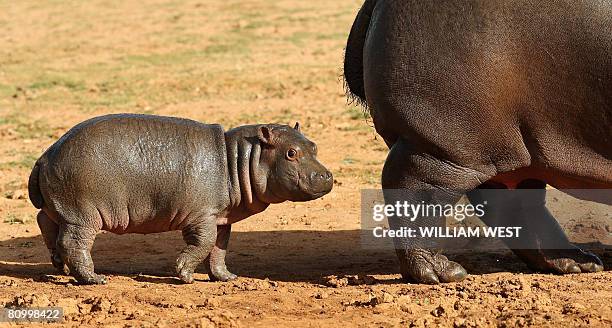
x,y
289,162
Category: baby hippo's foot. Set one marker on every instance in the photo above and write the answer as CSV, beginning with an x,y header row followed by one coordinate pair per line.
x,y
185,266
562,261
220,273
425,267
92,279
58,264
184,271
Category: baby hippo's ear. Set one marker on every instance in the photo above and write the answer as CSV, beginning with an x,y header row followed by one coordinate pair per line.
x,y
264,134
297,127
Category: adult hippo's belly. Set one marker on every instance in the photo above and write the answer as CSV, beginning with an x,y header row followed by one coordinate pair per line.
x,y
474,95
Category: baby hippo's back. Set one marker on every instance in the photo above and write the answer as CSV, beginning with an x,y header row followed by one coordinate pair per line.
x,y
134,173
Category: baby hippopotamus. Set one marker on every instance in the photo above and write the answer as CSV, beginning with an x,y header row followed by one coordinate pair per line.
x,y
129,173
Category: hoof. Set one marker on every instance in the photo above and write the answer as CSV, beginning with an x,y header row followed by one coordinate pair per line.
x,y
424,267
569,265
94,279
186,277
590,267
59,265
566,261
184,270
222,275
453,272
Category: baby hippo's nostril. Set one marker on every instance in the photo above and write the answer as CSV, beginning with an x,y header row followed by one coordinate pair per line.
x,y
327,175
321,176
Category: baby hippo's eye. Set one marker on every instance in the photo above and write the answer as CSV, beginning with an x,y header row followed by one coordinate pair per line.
x,y
291,154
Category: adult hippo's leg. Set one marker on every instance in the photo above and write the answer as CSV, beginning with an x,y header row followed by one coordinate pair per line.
x,y
424,178
552,250
542,243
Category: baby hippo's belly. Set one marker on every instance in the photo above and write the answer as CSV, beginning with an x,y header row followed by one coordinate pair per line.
x,y
144,221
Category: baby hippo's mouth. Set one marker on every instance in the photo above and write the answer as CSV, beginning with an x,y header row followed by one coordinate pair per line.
x,y
317,185
320,194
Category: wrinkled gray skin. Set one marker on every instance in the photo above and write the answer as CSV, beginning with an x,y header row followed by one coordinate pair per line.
x,y
470,95
144,174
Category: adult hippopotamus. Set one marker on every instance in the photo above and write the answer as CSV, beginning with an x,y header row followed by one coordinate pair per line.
x,y
130,173
471,95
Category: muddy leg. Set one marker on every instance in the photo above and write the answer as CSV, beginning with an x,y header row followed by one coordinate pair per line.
x,y
74,246
49,231
423,178
200,239
216,259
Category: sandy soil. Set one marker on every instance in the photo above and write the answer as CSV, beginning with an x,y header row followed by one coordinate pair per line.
x,y
238,62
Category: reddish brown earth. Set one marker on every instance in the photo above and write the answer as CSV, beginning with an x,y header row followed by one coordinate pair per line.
x,y
239,62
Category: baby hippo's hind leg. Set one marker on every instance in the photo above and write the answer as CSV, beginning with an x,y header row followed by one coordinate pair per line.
x,y
74,244
200,238
49,231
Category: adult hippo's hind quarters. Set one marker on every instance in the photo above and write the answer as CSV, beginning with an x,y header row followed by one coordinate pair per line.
x,y
471,96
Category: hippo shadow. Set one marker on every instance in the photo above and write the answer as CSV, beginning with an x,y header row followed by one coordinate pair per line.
x,y
292,256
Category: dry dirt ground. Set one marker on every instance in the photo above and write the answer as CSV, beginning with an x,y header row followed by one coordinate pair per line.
x,y
237,62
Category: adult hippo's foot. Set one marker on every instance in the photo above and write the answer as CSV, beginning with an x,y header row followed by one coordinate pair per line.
x,y
413,177
562,261
542,245
423,266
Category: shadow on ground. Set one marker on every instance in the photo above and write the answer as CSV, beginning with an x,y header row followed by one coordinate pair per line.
x,y
279,255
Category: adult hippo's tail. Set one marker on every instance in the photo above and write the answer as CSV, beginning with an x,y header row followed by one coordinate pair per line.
x,y
353,57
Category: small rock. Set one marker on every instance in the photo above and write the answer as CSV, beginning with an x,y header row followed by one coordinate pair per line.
x,y
31,300
573,308
361,279
334,281
9,283
387,298
459,323
438,311
100,305
410,308
442,310
210,302
383,298
15,194
69,305
321,295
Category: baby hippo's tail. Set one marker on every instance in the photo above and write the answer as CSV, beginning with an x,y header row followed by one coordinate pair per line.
x,y
34,188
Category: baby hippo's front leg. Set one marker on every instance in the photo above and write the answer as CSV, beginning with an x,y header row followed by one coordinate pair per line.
x,y
200,238
216,259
